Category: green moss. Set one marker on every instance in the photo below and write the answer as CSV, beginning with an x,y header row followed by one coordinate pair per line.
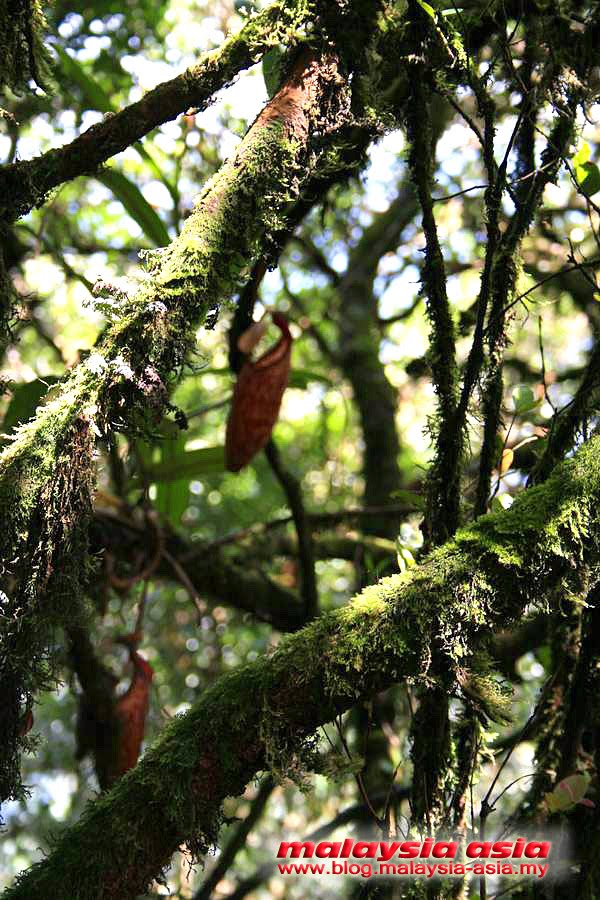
x,y
47,566
24,56
265,713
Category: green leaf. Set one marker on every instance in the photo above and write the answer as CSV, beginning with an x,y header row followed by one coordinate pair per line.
x,y
206,461
172,496
301,378
501,502
544,656
586,171
588,178
570,791
582,156
271,69
428,9
215,370
25,399
92,93
136,205
404,556
97,98
411,498
524,399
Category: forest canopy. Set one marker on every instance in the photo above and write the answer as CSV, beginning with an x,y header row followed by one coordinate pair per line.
x,y
299,464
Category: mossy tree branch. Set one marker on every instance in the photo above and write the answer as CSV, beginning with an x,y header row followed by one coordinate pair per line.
x,y
587,692
432,746
359,345
26,184
7,302
503,277
259,716
124,383
443,483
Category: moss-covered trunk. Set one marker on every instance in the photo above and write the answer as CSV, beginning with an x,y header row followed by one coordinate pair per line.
x,y
259,716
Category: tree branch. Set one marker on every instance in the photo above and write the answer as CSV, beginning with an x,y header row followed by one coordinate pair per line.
x,y
306,554
25,185
503,279
206,570
46,473
441,514
259,715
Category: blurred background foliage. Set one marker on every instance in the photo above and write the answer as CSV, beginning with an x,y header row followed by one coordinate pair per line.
x,y
106,55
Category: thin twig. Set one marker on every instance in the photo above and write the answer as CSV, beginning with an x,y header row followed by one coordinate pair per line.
x,y
185,581
317,520
475,187
358,776
237,841
306,555
543,361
